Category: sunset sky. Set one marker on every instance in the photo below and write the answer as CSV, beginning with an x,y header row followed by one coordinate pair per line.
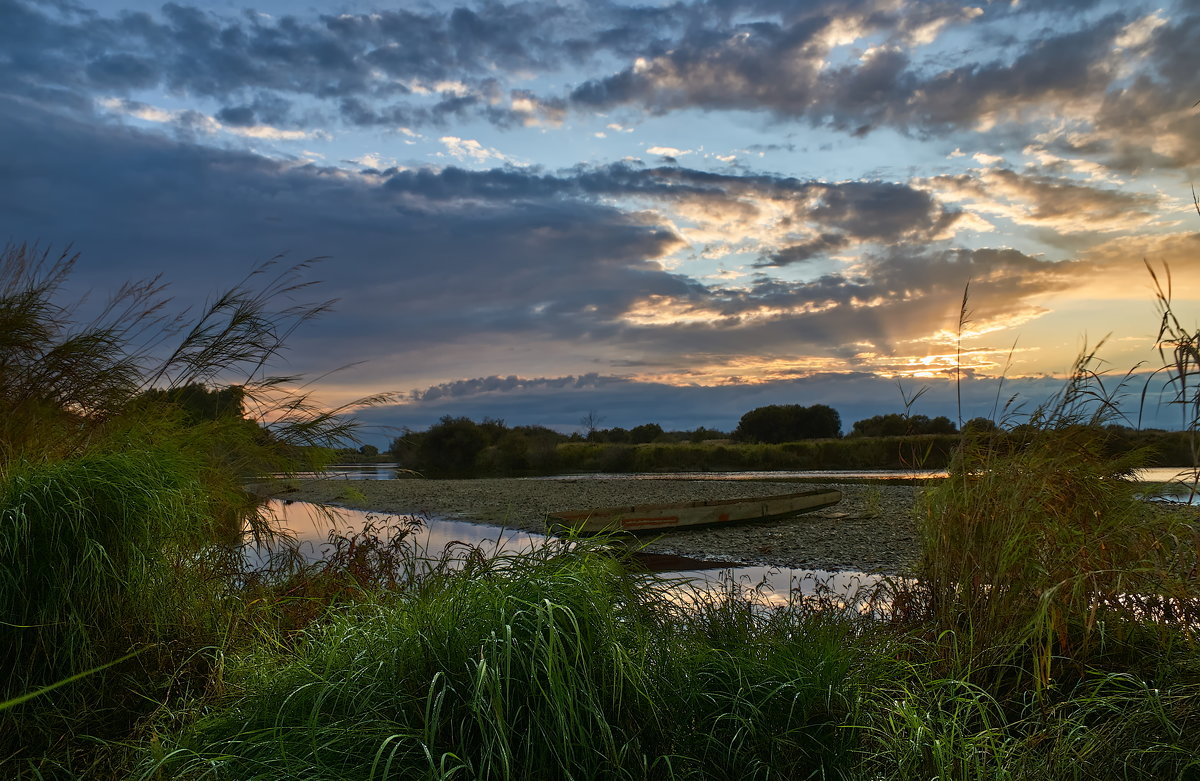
x,y
655,212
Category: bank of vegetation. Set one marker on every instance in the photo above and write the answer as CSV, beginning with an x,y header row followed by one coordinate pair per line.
x,y
461,447
1050,633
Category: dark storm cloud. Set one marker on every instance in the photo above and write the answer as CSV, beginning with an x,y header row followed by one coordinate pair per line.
x,y
805,251
427,268
380,59
781,68
401,67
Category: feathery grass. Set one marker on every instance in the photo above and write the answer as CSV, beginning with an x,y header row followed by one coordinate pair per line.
x,y
555,664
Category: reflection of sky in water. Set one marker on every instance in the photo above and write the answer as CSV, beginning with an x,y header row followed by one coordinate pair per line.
x,y
310,525
775,586
831,475
352,472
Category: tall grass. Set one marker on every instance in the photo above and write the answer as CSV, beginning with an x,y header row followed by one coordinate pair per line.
x,y
1051,632
555,664
114,498
1041,545
92,550
1111,725
67,380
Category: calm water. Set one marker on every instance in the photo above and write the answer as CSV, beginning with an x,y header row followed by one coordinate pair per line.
x,y
830,475
353,472
391,471
310,524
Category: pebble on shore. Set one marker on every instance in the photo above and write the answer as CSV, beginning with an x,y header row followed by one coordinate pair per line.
x,y
871,530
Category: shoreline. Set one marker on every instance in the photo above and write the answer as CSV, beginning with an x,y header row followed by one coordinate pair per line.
x,y
872,529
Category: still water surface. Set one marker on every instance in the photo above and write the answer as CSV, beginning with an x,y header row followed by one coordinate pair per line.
x,y
310,525
390,471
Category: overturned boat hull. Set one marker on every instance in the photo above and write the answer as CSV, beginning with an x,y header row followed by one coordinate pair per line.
x,y
665,517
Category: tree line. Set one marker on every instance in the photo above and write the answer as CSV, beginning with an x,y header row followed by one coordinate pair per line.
x,y
781,436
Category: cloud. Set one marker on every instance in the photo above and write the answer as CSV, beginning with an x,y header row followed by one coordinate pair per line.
x,y
815,247
493,384
1043,201
186,119
371,68
472,150
524,272
417,255
1105,86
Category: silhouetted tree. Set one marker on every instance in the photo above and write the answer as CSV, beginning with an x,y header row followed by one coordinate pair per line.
x,y
788,423
451,446
897,425
616,435
980,426
647,432
702,433
200,402
890,425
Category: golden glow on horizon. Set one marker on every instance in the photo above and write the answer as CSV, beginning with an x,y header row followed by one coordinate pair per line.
x,y
657,310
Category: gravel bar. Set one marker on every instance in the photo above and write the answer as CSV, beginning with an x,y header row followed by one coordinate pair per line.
x,y
871,530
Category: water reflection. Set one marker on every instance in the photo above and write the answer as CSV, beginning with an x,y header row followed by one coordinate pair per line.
x,y
309,525
393,471
829,475
1167,474
352,472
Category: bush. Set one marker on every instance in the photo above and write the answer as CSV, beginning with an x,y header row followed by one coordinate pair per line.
x,y
451,447
788,422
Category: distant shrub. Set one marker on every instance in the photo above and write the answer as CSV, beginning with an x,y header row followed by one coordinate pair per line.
x,y
451,447
897,425
788,422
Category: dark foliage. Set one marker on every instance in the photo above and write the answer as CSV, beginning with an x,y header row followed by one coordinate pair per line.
x,y
898,425
647,432
789,423
451,446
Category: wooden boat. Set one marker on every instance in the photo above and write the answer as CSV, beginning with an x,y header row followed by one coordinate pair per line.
x,y
664,517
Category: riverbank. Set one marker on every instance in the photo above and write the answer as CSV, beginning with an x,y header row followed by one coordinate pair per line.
x,y
871,530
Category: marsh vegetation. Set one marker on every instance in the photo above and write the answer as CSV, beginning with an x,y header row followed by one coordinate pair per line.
x,y
1050,633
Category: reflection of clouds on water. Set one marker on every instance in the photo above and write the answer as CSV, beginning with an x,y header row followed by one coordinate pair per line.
x,y
1167,474
1181,484
830,475
351,472
391,471
775,587
308,526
